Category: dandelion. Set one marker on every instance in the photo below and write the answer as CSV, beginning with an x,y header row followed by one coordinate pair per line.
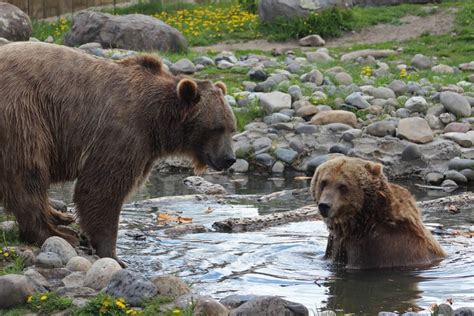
x,y
6,254
403,72
176,311
132,312
43,298
120,303
29,299
366,71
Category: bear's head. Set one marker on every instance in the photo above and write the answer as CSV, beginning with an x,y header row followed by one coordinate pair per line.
x,y
209,124
343,187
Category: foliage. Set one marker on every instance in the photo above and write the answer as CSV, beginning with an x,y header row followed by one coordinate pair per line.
x,y
48,303
327,23
10,261
156,307
43,29
248,114
204,25
249,5
106,305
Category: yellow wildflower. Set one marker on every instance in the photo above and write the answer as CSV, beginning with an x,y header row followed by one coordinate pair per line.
x,y
6,254
403,72
176,311
120,304
43,297
29,299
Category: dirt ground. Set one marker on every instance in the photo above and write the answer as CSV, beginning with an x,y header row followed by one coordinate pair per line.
x,y
411,27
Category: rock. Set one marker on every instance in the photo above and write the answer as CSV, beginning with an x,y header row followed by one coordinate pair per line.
x,y
411,152
76,292
415,129
132,286
75,279
261,143
402,113
351,134
136,32
270,306
398,86
312,40
434,122
224,64
382,93
8,226
461,164
14,289
382,128
456,127
78,264
257,75
170,286
455,103
60,247
276,118
445,310
204,60
207,306
338,149
416,104
183,66
434,178
449,184
343,78
265,160
100,273
463,139
269,10
447,118
421,62
203,186
307,111
318,57
315,162
49,260
455,176
286,155
306,129
275,101
376,53
295,93
15,25
337,127
357,99
315,76
336,116
240,166
464,311
234,301
186,229
278,167
442,69
469,174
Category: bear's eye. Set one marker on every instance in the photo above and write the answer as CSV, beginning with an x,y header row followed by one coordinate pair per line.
x,y
343,188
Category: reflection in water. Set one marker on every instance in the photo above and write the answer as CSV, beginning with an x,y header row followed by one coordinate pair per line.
x,y
286,260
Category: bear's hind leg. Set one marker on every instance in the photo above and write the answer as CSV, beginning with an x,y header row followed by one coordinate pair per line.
x,y
60,218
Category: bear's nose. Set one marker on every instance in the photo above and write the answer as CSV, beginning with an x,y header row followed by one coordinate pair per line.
x,y
324,209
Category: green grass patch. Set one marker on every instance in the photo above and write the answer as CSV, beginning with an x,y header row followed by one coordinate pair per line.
x,y
248,114
48,303
57,29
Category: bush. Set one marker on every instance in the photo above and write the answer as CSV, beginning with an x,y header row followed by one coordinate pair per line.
x,y
327,23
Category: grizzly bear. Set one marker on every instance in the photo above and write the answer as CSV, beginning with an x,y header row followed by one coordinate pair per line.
x,y
65,115
372,223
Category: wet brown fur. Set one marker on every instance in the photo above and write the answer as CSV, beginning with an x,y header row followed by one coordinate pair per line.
x,y
65,115
372,223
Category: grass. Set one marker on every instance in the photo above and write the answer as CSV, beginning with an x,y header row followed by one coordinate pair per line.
x,y
248,114
40,303
57,29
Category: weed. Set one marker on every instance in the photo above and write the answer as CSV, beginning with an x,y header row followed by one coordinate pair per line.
x,y
248,114
48,303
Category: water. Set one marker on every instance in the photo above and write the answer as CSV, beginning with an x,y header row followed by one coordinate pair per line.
x,y
285,260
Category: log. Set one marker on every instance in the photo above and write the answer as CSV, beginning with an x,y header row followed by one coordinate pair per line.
x,y
310,212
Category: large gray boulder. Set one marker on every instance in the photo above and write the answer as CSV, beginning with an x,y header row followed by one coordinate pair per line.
x,y
15,25
133,31
269,10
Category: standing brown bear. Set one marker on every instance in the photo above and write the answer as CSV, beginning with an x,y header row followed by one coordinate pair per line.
x,y
65,115
371,223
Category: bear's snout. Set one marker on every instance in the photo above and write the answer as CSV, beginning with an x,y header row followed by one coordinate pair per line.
x,y
324,209
228,161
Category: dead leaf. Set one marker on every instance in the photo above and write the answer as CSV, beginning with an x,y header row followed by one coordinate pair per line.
x,y
184,220
209,210
164,218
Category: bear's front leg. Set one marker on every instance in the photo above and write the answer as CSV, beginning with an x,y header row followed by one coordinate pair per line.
x,y
99,195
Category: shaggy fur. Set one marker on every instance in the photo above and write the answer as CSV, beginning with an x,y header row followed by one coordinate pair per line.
x,y
65,115
372,223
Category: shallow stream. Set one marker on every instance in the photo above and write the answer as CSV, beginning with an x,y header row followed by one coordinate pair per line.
x,y
284,260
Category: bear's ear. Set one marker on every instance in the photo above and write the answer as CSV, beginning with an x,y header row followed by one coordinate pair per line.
x,y
221,86
374,168
188,91
150,63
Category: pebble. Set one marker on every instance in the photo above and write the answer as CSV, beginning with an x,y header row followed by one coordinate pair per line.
x,y
257,75
434,178
411,152
60,247
382,128
48,260
15,288
286,155
338,149
100,273
184,66
265,159
313,40
240,166
270,306
399,87
75,279
357,99
416,104
336,116
456,104
278,167
421,62
78,264
461,164
415,129
343,78
170,286
455,176
275,101
132,286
